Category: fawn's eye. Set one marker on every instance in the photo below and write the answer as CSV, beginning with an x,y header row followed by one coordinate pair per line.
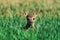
x,y
33,18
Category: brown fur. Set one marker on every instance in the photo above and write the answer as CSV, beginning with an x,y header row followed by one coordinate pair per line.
x,y
30,19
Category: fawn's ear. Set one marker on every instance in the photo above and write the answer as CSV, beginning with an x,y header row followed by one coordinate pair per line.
x,y
35,13
25,14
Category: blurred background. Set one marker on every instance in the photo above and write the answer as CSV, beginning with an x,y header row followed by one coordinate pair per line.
x,y
12,20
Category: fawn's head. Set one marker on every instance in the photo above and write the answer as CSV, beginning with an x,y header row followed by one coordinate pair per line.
x,y
31,17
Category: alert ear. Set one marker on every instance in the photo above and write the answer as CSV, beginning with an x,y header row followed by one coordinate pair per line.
x,y
25,13
35,13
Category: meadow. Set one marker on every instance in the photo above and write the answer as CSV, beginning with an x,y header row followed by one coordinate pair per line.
x,y
12,20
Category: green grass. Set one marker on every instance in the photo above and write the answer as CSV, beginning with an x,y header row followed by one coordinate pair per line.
x,y
47,24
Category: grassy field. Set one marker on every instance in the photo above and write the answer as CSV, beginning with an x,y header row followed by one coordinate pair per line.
x,y
12,20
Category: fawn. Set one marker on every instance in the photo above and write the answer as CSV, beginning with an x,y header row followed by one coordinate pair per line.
x,y
30,19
